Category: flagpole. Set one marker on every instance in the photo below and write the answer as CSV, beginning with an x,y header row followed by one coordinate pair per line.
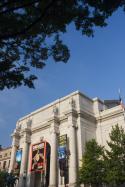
x,y
121,103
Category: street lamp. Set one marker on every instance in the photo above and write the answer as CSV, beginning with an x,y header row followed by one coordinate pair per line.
x,y
24,177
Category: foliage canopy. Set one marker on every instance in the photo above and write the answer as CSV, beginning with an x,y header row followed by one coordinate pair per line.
x,y
7,179
105,166
115,157
30,33
92,170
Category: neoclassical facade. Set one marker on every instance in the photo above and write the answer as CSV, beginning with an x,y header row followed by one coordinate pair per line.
x,y
78,117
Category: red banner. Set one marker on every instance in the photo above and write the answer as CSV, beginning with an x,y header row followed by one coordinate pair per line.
x,y
38,155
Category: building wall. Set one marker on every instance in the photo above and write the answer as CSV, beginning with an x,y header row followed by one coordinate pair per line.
x,y
5,155
106,120
76,115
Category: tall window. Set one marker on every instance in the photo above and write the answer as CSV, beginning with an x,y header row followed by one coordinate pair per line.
x,y
9,164
4,165
5,155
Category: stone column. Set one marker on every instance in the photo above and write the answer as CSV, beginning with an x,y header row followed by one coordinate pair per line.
x,y
80,138
53,160
24,161
15,144
73,157
30,175
72,146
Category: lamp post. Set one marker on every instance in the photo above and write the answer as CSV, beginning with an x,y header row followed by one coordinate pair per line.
x,y
24,178
66,166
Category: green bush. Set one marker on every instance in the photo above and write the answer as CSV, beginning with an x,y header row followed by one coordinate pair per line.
x,y
7,179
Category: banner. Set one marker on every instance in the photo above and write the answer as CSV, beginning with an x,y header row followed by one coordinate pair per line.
x,y
62,148
18,162
38,156
18,156
62,155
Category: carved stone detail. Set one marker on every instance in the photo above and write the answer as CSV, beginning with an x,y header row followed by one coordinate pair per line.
x,y
55,110
54,128
72,103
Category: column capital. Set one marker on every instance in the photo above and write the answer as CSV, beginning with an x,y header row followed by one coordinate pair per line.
x,y
26,135
15,138
27,138
72,121
16,133
71,113
26,131
54,124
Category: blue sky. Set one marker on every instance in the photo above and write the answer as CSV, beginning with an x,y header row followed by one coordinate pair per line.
x,y
96,68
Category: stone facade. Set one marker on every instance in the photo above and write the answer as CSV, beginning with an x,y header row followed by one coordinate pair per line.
x,y
5,154
76,115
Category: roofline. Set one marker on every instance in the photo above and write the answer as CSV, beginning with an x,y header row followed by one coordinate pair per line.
x,y
54,103
97,99
2,149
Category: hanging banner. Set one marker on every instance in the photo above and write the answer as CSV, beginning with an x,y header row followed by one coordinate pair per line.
x,y
18,156
18,162
38,156
62,154
62,148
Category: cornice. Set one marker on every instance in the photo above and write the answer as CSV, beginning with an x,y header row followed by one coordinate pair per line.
x,y
59,120
86,116
52,104
63,119
109,116
54,119
72,112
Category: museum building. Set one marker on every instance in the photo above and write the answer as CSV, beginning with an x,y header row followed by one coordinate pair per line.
x,y
48,144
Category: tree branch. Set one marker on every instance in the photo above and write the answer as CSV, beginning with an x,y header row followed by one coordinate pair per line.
x,y
18,7
8,3
14,35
